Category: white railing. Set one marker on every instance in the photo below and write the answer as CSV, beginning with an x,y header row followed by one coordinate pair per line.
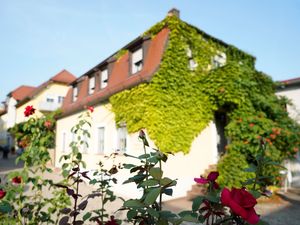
x,y
49,106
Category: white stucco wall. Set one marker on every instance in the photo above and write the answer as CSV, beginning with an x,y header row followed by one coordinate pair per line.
x,y
11,112
52,90
181,167
294,95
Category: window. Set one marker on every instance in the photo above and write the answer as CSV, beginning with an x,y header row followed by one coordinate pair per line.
x,y
104,79
60,99
219,60
75,93
49,99
100,135
122,138
64,142
192,64
84,144
137,61
91,85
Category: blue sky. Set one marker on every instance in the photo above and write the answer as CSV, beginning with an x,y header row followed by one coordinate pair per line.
x,y
39,38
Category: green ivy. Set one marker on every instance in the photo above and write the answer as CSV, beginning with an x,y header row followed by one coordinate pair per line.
x,y
178,103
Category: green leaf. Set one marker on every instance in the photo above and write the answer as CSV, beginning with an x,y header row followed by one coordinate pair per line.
x,y
251,169
86,216
197,202
166,181
256,194
5,207
168,191
156,173
133,203
152,196
153,212
150,182
128,166
262,222
144,156
131,214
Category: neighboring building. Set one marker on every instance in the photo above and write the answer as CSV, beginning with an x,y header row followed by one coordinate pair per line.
x,y
140,61
291,90
46,98
8,115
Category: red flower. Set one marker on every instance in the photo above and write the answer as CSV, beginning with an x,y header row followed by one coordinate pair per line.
x,y
211,179
90,108
251,125
112,221
48,124
2,193
241,203
16,180
272,136
29,110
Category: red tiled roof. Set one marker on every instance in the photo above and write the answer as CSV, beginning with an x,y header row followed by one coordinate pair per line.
x,y
64,77
119,78
21,92
292,81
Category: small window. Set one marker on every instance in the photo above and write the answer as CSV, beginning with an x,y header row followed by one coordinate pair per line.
x,y
84,144
192,64
64,142
60,99
50,100
219,60
122,138
103,79
137,61
100,134
75,93
91,85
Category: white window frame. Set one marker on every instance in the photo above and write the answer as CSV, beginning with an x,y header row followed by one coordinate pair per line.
x,y
50,97
92,84
137,60
219,60
192,63
60,99
64,141
103,78
72,139
120,136
97,144
75,93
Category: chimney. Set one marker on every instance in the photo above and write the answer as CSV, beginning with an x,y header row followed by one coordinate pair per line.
x,y
174,12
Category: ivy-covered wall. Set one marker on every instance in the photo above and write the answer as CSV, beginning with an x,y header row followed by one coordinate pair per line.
x,y
179,102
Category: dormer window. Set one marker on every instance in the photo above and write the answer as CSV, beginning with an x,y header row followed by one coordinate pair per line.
x,y
219,60
103,78
91,85
192,64
75,93
137,60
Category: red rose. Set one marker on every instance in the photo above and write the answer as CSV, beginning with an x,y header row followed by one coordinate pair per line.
x,y
241,202
16,180
2,193
48,124
29,110
211,179
90,108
